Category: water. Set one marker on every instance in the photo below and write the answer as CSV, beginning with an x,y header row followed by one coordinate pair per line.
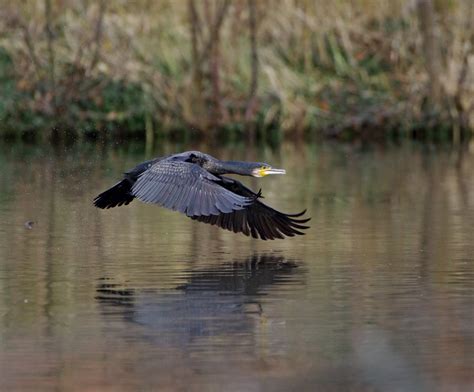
x,y
378,296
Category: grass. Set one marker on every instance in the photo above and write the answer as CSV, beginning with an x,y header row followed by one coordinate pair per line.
x,y
199,69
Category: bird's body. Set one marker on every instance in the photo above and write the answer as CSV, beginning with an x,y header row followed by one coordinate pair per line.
x,y
193,183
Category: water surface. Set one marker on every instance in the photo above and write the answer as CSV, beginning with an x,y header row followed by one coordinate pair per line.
x,y
378,296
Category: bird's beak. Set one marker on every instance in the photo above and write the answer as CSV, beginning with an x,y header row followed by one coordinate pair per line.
x,y
266,171
274,171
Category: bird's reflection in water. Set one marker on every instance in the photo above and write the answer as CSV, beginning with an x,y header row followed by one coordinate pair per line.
x,y
220,300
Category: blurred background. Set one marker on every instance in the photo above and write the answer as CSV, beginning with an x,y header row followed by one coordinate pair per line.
x,y
237,69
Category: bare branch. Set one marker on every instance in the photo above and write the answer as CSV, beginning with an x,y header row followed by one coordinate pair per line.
x,y
51,59
31,49
431,48
98,36
214,32
195,29
250,107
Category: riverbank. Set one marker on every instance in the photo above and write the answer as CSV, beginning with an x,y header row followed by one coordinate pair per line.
x,y
235,70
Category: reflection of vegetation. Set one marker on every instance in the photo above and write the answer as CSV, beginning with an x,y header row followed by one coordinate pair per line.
x,y
336,68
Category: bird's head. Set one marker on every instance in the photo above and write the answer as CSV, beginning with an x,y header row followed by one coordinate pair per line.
x,y
264,169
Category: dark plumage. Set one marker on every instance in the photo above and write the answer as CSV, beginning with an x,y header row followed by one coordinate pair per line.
x,y
193,184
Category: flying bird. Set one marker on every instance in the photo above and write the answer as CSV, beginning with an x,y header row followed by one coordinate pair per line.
x,y
194,184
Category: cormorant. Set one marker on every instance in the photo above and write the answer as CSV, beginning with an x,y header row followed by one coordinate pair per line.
x,y
193,183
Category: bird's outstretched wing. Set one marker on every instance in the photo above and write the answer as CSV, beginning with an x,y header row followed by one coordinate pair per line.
x,y
187,188
257,219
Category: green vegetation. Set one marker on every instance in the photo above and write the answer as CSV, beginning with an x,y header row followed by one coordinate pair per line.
x,y
238,69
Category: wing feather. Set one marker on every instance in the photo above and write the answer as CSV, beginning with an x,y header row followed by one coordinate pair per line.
x,y
256,219
186,187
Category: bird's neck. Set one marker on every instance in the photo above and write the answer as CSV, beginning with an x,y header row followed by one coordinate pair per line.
x,y
232,167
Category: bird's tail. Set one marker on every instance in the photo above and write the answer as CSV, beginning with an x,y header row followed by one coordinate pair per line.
x,y
119,194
